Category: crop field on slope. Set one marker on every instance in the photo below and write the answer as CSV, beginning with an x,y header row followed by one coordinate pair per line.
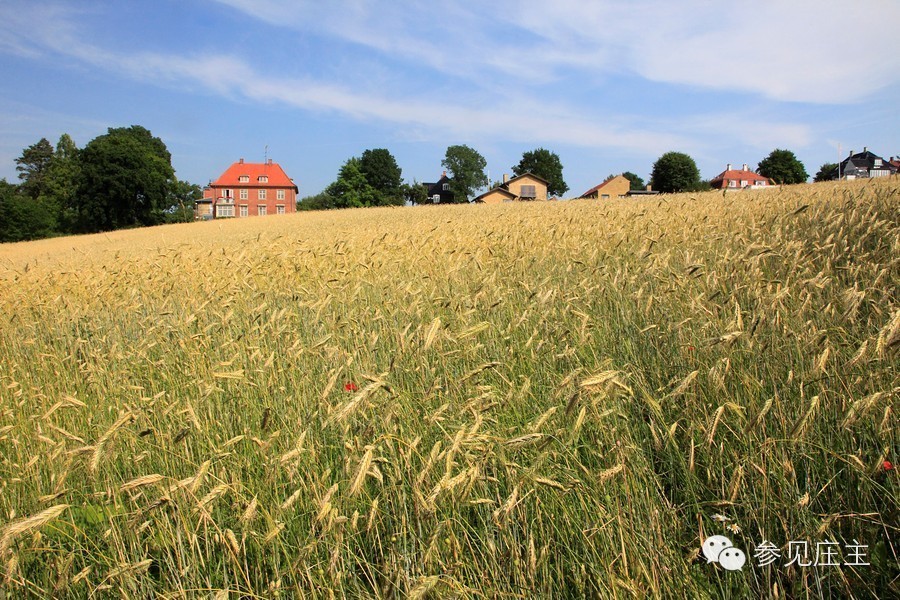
x,y
531,400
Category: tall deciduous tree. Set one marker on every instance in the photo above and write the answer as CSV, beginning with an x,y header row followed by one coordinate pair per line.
x,y
183,196
384,175
466,167
351,189
61,183
675,172
32,167
782,167
545,164
125,179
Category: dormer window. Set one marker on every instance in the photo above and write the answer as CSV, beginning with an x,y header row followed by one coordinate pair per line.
x,y
263,179
244,179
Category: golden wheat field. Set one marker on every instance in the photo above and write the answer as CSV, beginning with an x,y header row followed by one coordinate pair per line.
x,y
557,400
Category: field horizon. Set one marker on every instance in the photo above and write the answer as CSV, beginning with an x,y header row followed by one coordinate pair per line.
x,y
555,399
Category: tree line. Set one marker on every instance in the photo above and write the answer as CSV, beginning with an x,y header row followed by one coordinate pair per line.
x,y
123,178
375,179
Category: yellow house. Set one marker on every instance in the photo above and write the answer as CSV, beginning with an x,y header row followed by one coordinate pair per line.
x,y
615,187
526,186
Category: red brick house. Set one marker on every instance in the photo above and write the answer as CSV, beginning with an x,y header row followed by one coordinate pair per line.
x,y
249,190
734,179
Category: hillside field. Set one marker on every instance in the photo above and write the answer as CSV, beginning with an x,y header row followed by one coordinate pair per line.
x,y
530,400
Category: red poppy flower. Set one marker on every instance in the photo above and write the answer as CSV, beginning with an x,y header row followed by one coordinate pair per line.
x,y
691,348
350,387
887,465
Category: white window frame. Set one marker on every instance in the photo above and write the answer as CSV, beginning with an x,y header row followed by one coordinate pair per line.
x,y
244,194
279,195
245,210
262,210
263,179
244,179
279,209
261,195
226,210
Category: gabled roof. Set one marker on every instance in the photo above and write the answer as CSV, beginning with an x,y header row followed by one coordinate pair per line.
x,y
597,188
272,170
865,161
504,187
497,190
739,175
529,174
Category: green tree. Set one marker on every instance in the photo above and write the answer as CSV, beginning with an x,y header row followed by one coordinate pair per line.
x,y
352,189
675,172
384,175
544,164
827,172
637,183
320,201
61,183
21,218
183,197
466,167
32,167
782,167
414,193
125,179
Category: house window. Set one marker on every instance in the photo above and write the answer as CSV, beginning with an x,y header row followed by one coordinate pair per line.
x,y
244,194
225,211
529,191
227,193
279,209
602,197
436,198
446,187
263,179
878,163
280,194
261,210
244,178
261,195
732,183
244,211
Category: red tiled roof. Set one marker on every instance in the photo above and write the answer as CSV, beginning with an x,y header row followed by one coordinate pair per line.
x,y
737,175
272,170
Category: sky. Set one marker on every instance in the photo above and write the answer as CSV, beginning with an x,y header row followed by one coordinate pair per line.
x,y
608,85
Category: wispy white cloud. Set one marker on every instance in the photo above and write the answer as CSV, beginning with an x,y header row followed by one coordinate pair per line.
x,y
820,51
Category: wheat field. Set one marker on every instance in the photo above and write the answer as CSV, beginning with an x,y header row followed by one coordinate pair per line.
x,y
555,399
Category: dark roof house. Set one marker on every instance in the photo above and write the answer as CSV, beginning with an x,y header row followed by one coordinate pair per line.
x,y
439,191
864,165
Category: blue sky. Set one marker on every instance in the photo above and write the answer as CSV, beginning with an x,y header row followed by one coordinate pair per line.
x,y
609,85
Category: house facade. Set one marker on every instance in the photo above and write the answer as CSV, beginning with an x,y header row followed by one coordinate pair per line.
x,y
864,165
439,191
249,190
526,186
739,179
614,187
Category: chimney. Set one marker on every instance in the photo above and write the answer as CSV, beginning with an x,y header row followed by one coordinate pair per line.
x,y
241,161
865,149
851,153
443,174
270,162
505,178
728,167
745,167
649,188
